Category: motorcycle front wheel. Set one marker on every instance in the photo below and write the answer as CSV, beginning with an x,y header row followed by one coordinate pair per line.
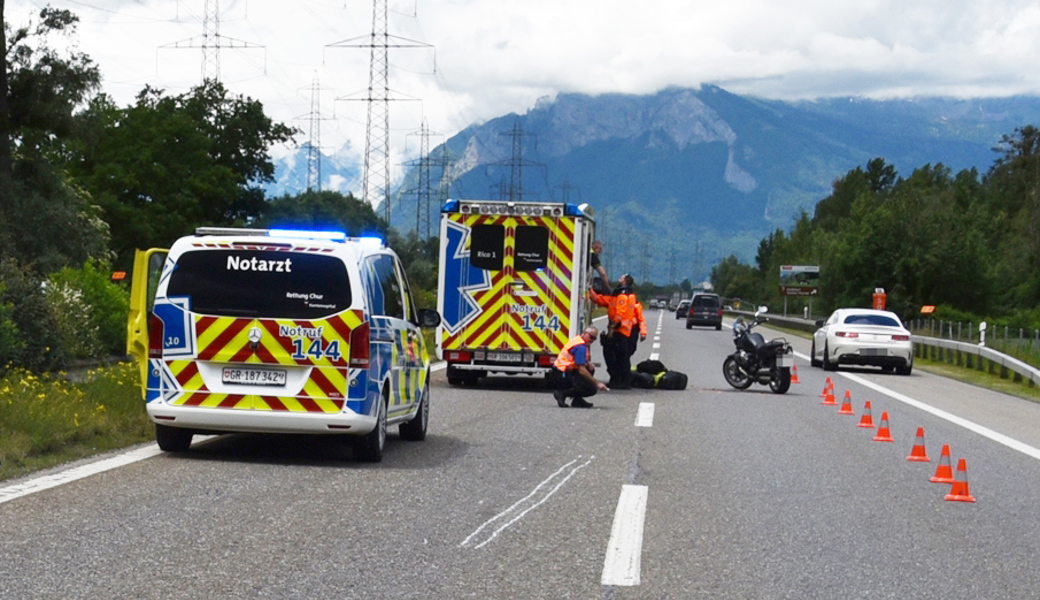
x,y
780,381
734,375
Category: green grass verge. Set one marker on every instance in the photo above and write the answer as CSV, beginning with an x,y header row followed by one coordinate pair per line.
x,y
46,421
994,381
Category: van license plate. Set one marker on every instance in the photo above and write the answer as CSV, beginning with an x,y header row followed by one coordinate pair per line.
x,y
504,357
254,376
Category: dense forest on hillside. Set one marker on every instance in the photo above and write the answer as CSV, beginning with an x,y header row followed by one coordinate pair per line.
x,y
966,243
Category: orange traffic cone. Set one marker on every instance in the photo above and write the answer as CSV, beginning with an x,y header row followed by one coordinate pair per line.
x,y
828,395
794,374
944,472
866,420
959,489
826,386
883,434
846,405
917,453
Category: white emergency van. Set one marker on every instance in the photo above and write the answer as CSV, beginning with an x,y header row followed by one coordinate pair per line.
x,y
512,285
276,331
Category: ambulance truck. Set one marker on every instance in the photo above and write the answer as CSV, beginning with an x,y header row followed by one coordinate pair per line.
x,y
512,283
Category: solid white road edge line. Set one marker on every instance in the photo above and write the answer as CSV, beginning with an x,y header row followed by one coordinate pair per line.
x,y
46,482
1000,438
50,481
625,548
645,415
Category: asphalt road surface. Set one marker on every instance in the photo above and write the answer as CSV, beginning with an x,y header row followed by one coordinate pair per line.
x,y
707,492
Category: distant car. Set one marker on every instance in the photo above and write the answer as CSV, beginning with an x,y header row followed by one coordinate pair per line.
x,y
861,336
684,306
705,309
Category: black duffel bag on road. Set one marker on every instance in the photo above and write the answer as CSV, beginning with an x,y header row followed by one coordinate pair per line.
x,y
671,380
653,367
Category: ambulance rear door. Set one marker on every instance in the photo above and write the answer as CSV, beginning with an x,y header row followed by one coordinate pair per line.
x,y
507,283
144,280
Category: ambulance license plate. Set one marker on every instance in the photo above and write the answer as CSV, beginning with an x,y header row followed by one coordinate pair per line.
x,y
237,375
504,357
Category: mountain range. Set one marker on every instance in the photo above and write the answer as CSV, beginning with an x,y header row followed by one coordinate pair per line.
x,y
682,178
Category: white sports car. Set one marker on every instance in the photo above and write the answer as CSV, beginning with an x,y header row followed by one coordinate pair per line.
x,y
861,336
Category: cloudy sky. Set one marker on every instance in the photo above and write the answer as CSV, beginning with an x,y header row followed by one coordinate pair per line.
x,y
486,58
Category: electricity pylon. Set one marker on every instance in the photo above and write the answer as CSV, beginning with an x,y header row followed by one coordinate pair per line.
x,y
376,177
211,42
314,119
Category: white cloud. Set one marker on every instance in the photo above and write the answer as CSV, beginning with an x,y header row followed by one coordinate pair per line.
x,y
491,58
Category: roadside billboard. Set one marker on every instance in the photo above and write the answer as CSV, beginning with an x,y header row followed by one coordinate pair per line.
x,y
799,280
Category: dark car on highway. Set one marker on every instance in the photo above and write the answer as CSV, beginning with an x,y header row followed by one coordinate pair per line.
x,y
705,309
681,311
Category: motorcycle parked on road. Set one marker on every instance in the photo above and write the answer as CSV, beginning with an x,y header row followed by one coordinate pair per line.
x,y
756,360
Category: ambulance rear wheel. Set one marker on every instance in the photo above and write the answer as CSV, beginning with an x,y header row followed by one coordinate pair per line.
x,y
454,376
415,430
370,446
172,439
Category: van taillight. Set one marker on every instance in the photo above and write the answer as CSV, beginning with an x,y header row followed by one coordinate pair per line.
x,y
359,355
155,336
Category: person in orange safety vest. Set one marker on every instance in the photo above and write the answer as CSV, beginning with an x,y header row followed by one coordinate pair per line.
x,y
624,314
573,374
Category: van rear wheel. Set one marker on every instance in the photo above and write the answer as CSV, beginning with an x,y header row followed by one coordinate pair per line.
x,y
415,430
172,439
370,446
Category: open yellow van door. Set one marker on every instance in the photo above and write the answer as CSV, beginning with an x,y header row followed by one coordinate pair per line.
x,y
144,280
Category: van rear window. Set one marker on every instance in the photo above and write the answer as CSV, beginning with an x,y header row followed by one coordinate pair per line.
x,y
261,283
487,247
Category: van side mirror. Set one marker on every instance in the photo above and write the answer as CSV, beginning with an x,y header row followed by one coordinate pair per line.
x,y
429,318
819,323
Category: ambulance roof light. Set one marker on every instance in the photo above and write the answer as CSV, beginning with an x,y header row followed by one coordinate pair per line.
x,y
370,240
228,231
336,236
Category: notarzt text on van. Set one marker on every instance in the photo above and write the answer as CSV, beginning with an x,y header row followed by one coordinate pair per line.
x,y
235,263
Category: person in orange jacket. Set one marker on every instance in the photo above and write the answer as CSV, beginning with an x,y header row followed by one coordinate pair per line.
x,y
573,374
624,314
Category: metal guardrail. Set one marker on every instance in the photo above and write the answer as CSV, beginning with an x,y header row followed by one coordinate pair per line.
x,y
964,354
973,356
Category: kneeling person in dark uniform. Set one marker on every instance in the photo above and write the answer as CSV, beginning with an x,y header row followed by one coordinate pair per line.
x,y
572,373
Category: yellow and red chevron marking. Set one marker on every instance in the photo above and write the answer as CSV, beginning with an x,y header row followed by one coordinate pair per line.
x,y
322,392
226,339
497,327
268,403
